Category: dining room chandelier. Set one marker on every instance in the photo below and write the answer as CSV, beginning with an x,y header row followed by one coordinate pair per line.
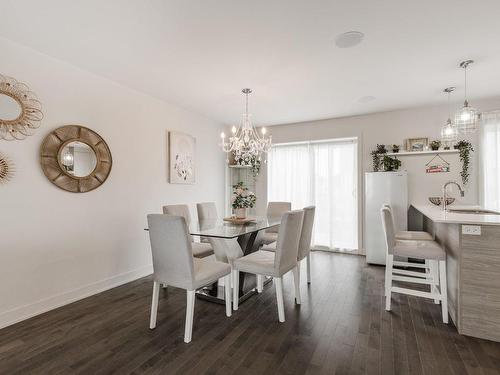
x,y
466,119
245,142
449,131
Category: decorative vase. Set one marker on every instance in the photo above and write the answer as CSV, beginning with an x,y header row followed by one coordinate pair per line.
x,y
240,213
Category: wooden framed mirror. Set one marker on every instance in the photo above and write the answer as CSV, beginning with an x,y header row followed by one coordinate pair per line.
x,y
75,158
20,110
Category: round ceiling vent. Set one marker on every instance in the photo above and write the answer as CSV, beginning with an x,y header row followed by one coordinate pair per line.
x,y
349,39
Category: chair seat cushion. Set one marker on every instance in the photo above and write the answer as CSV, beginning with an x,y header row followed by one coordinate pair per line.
x,y
202,250
259,262
208,271
414,235
269,237
269,247
419,250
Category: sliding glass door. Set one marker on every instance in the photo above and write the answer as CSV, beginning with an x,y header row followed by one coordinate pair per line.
x,y
323,174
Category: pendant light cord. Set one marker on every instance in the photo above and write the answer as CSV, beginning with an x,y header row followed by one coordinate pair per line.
x,y
465,80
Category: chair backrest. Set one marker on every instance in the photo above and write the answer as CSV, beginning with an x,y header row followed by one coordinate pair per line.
x,y
287,246
178,210
392,217
388,226
171,249
206,211
306,233
277,209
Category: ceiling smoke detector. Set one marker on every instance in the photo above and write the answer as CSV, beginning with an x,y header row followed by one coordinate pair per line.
x,y
349,39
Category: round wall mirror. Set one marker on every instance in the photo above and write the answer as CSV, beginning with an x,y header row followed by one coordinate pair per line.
x,y
10,108
20,111
75,158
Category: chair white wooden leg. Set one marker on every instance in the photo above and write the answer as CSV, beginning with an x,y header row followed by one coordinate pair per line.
x,y
434,273
443,289
227,293
154,305
278,282
188,330
236,287
388,281
308,264
260,283
296,282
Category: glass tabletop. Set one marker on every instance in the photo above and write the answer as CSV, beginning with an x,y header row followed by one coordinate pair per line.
x,y
224,229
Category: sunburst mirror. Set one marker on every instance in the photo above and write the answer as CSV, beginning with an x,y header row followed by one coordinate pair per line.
x,y
20,110
6,169
75,158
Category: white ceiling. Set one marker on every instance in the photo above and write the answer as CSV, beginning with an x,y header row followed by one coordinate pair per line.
x,y
200,53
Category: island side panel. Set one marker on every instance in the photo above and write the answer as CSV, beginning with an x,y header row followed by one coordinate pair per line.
x,y
480,287
448,236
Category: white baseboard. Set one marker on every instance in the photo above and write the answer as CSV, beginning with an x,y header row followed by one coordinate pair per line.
x,y
21,313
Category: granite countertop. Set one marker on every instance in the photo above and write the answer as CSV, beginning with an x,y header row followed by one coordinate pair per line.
x,y
437,215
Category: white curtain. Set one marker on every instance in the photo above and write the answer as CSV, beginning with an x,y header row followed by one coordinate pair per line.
x,y
323,174
490,160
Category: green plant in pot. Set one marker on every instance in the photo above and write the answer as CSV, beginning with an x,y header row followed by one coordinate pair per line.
x,y
395,148
376,154
390,164
435,145
464,150
242,200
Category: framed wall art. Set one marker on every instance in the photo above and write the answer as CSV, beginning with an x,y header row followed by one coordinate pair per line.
x,y
182,153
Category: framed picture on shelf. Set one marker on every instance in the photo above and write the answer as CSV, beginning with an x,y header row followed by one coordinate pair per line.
x,y
417,144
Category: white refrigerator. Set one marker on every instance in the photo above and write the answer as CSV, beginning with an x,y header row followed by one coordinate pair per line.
x,y
382,188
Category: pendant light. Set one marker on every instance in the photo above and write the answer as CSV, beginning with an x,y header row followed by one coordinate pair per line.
x,y
466,119
449,131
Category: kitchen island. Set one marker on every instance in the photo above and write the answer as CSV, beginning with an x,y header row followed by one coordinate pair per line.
x,y
472,245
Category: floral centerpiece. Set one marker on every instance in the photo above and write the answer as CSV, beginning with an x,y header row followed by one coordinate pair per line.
x,y
242,200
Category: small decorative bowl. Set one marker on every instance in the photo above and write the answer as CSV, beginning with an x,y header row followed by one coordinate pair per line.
x,y
438,200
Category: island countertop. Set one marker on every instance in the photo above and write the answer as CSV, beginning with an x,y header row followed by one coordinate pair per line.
x,y
438,215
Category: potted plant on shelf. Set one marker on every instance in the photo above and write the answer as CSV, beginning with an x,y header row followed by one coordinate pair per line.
x,y
248,160
242,200
395,148
435,145
390,164
376,154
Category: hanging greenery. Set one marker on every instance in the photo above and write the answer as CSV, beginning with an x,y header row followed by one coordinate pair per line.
x,y
464,150
376,155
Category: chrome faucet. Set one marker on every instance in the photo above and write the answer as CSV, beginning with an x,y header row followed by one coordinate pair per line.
x,y
462,193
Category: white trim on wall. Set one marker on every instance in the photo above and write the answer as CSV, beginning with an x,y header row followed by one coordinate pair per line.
x,y
21,313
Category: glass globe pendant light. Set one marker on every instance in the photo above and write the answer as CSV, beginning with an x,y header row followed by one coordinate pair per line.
x,y
449,131
466,119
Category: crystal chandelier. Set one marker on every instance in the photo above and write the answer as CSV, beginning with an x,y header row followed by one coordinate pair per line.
x,y
466,119
245,141
449,131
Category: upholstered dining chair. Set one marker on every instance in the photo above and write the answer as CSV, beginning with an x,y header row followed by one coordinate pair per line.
x,y
429,251
275,209
207,211
174,264
274,264
304,245
200,250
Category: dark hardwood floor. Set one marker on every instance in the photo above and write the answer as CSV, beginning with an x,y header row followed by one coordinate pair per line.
x,y
340,328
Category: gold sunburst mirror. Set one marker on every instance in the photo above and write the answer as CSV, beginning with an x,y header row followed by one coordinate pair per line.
x,y
20,110
6,169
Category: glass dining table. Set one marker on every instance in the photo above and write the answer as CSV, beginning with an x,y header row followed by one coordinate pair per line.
x,y
230,241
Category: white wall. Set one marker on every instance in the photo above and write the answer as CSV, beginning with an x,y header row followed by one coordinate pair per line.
x,y
57,246
388,128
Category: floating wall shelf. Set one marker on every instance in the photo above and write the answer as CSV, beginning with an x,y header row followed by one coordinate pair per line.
x,y
430,152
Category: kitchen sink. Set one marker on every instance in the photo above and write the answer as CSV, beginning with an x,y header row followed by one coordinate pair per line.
x,y
477,211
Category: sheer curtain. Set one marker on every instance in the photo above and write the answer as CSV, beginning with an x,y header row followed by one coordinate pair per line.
x,y
490,160
323,174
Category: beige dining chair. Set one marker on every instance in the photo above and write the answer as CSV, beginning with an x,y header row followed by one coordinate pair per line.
x,y
407,234
304,245
200,249
429,251
207,211
174,264
275,209
274,264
